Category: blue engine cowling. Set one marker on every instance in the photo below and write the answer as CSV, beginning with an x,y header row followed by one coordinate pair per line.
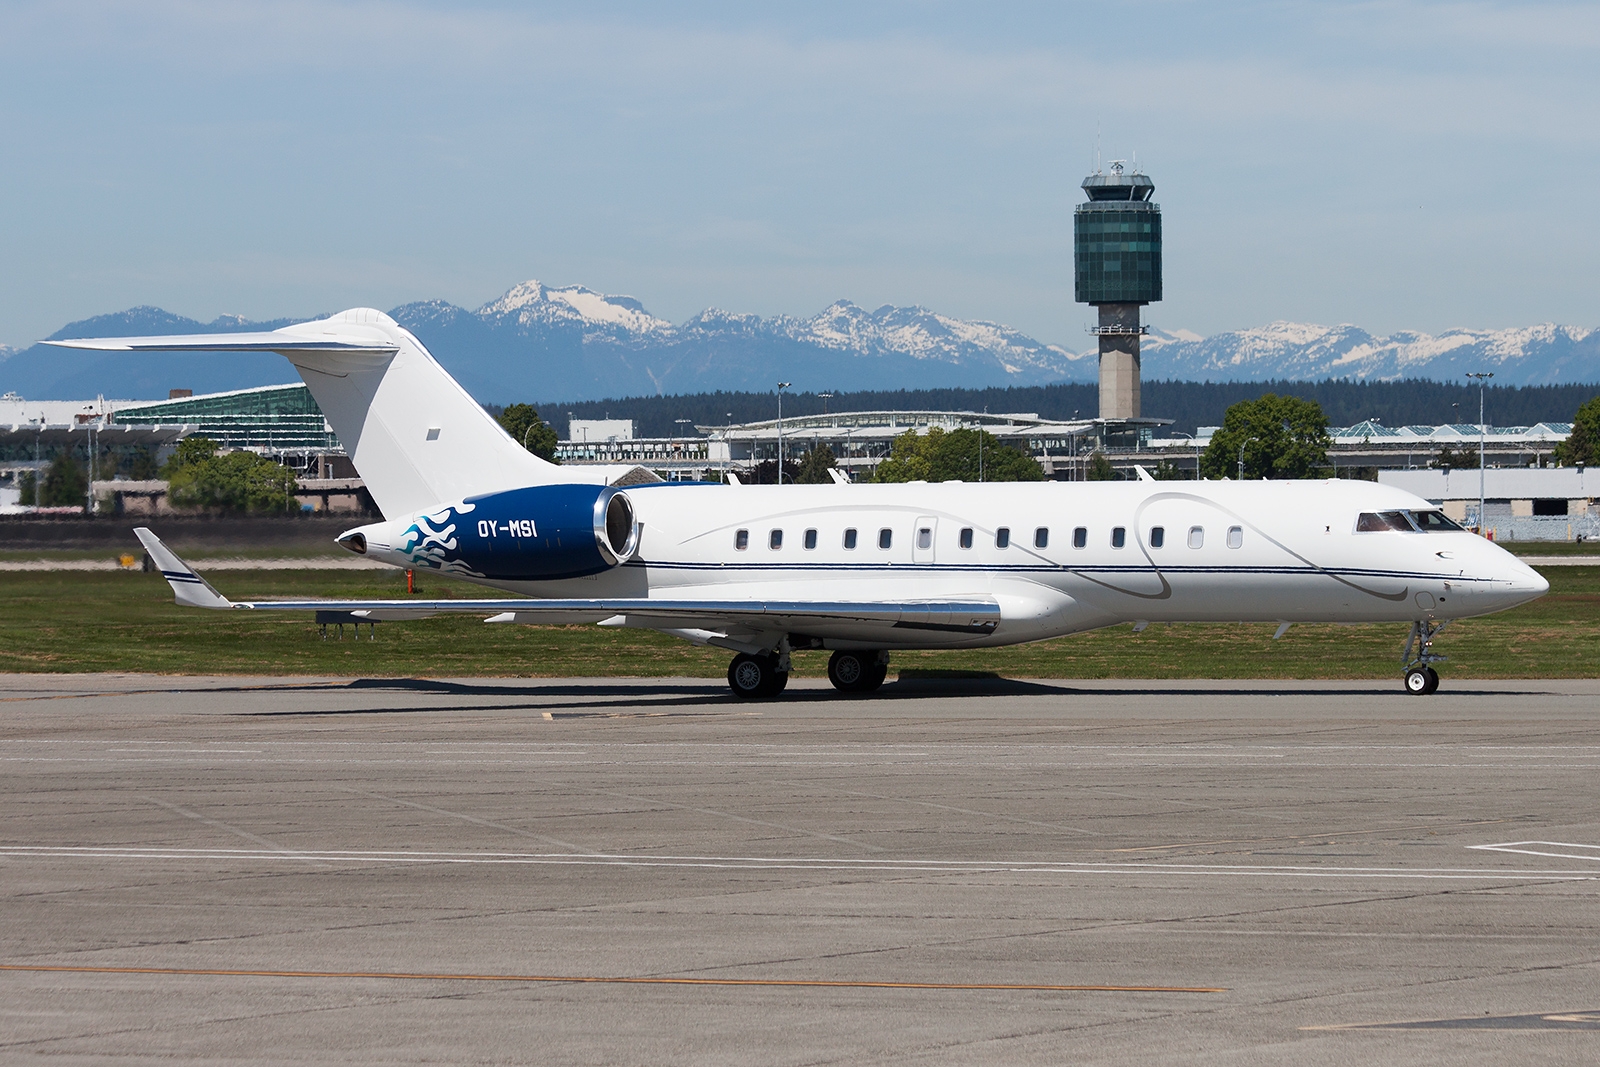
x,y
541,533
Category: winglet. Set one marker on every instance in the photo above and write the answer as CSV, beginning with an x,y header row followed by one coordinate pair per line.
x,y
189,588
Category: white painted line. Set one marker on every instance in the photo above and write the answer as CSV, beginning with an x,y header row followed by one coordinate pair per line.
x,y
1567,849
764,863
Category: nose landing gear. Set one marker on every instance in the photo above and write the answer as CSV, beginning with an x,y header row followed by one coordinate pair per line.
x,y
1421,678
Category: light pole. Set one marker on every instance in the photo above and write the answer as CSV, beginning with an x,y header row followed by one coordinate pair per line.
x,y
1241,457
1196,444
1483,432
683,435
825,397
781,387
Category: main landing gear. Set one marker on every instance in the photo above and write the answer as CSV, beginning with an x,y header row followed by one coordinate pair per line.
x,y
763,676
857,672
1421,678
758,677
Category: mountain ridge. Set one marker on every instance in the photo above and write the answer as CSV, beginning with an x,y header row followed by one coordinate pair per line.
x,y
536,340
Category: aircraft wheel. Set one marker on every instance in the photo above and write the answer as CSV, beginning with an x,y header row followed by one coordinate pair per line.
x,y
857,672
1418,683
753,677
1433,680
847,670
880,671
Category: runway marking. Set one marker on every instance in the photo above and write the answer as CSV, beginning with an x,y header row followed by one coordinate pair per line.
x,y
760,863
1526,848
1576,1020
586,979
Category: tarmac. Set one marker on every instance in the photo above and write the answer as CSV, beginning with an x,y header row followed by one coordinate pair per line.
x,y
301,870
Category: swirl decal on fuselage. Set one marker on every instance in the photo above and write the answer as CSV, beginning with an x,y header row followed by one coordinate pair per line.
x,y
431,538
1165,592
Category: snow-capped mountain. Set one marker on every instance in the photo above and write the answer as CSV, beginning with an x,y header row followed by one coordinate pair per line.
x,y
1293,350
549,344
575,343
533,305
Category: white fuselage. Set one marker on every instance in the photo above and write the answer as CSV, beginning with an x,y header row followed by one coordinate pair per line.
x,y
1228,551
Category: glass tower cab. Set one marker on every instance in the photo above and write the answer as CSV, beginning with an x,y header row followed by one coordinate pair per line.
x,y
1117,268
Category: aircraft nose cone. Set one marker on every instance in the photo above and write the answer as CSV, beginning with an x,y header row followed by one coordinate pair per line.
x,y
1521,584
1534,584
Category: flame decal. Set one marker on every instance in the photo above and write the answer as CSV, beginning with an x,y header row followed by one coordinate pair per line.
x,y
430,541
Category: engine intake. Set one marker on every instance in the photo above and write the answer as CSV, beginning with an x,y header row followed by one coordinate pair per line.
x,y
614,529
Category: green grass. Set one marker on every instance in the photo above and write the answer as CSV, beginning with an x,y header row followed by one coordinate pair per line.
x,y
214,552
1553,548
107,621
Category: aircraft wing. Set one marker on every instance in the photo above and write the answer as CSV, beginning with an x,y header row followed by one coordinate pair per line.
x,y
976,616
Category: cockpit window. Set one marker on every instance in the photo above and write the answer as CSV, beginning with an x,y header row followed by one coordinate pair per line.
x,y
1374,522
1432,521
1404,521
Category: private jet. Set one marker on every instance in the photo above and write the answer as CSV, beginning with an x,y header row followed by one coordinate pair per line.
x,y
860,570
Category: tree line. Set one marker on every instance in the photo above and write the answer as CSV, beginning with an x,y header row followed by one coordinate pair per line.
x,y
1269,436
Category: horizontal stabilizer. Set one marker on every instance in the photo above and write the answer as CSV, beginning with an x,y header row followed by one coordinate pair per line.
x,y
227,342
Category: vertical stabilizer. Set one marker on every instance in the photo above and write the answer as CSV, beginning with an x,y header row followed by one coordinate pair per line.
x,y
414,434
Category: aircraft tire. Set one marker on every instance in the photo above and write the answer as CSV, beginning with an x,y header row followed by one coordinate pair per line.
x,y
754,677
1433,680
848,669
880,671
1417,683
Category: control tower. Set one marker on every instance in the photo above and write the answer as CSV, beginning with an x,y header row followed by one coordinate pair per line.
x,y
1117,251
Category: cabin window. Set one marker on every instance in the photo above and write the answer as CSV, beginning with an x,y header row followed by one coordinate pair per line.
x,y
811,539
1041,537
1080,537
1119,536
1002,537
885,537
966,537
925,537
850,538
741,540
775,539
1236,537
1158,536
1197,536
1371,522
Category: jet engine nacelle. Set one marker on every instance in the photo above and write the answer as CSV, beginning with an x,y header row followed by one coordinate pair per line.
x,y
540,533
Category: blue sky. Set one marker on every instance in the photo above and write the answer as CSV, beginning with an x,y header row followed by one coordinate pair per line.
x,y
1396,165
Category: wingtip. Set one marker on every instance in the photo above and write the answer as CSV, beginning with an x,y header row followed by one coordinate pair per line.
x,y
188,588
